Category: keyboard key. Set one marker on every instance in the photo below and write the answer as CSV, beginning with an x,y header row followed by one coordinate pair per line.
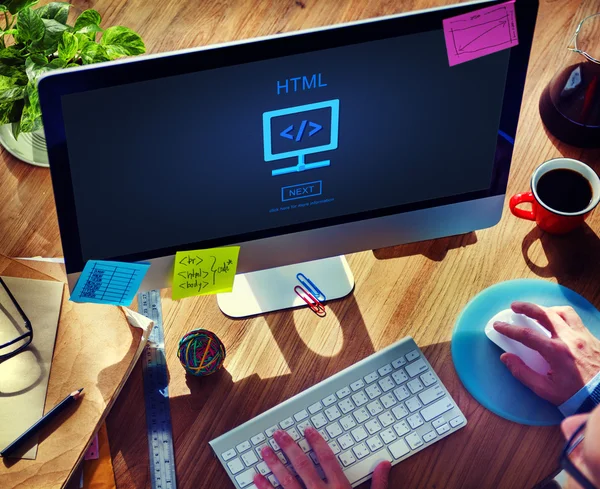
x,y
319,420
361,415
235,466
400,411
388,400
274,444
256,439
427,437
313,457
345,441
271,431
373,426
456,421
416,368
374,443
386,419
302,426
373,391
415,421
412,355
428,378
359,433
334,430
361,450
249,459
360,398
375,408
401,428
242,447
399,362
386,384
399,449
413,404
301,415
388,436
346,406
324,435
286,423
333,413
245,478
359,384
438,422
400,376
329,400
431,394
229,454
293,432
303,444
366,466
263,468
372,377
437,408
316,407
443,429
415,386
343,392
386,369
273,480
259,449
414,441
335,448
281,457
347,458
401,393
347,422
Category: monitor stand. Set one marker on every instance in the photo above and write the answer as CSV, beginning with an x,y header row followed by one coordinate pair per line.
x,y
273,289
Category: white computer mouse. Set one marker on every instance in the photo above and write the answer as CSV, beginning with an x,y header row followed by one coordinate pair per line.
x,y
530,357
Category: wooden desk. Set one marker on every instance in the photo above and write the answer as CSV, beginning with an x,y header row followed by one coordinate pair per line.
x,y
417,289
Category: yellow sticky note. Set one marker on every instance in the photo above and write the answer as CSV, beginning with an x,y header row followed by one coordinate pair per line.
x,y
203,272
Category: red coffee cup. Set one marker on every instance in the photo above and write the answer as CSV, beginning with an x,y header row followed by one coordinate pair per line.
x,y
549,219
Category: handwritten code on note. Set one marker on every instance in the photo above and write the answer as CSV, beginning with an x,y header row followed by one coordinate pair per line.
x,y
109,282
203,272
479,33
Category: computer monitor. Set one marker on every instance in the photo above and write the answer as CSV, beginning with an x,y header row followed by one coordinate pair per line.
x,y
296,147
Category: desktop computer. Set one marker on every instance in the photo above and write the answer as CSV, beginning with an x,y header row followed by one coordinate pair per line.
x,y
299,148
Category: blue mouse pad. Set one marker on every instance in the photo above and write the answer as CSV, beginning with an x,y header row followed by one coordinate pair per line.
x,y
477,359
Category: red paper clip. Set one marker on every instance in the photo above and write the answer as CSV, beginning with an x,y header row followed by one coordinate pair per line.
x,y
314,304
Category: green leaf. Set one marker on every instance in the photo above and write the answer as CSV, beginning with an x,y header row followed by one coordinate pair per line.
x,y
58,11
12,56
93,53
17,73
82,40
31,26
67,46
87,17
52,36
122,41
90,31
15,6
11,111
36,66
9,91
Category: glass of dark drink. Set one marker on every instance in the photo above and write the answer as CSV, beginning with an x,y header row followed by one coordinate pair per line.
x,y
570,104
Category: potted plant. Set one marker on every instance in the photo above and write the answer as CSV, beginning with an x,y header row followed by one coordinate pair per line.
x,y
37,41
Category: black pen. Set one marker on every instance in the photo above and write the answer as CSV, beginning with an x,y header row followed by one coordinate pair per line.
x,y
14,446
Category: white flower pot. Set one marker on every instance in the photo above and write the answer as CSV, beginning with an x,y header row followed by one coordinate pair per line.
x,y
30,147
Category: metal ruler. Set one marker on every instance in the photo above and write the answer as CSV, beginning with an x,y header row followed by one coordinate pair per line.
x,y
156,396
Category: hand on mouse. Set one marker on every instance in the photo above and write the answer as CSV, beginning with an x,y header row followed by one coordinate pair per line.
x,y
572,352
305,468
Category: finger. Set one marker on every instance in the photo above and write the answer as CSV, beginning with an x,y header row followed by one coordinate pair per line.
x,y
303,465
529,337
381,475
545,316
284,476
572,423
528,377
261,482
327,459
569,316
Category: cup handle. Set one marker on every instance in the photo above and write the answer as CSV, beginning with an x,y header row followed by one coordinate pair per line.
x,y
517,199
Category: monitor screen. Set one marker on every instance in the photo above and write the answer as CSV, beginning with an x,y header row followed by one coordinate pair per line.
x,y
260,147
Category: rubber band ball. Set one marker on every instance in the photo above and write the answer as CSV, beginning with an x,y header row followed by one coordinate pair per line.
x,y
201,352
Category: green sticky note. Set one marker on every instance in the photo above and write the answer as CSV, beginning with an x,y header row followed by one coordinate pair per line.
x,y
203,272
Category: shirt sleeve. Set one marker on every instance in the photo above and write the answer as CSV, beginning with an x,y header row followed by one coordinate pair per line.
x,y
584,400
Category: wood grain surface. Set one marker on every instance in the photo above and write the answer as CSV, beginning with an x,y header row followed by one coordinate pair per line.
x,y
416,289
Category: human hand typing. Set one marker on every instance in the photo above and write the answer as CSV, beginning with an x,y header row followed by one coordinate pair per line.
x,y
572,352
306,469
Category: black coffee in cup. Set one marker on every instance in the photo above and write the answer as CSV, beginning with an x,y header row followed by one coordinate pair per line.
x,y
565,190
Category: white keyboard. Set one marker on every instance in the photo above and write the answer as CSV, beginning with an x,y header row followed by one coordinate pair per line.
x,y
388,406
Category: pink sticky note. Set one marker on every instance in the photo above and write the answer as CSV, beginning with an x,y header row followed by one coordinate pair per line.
x,y
93,452
481,32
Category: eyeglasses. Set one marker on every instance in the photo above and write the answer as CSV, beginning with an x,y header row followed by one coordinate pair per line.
x,y
568,465
13,314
